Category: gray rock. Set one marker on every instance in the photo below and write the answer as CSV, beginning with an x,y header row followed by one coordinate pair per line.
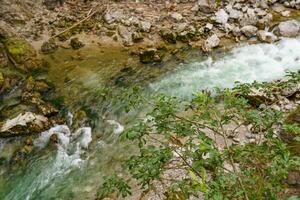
x,y
210,43
145,26
265,36
113,16
222,16
249,31
126,35
289,28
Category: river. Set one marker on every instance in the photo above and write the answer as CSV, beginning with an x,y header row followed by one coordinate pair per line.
x,y
75,169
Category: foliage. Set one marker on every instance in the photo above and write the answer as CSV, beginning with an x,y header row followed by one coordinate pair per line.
x,y
197,137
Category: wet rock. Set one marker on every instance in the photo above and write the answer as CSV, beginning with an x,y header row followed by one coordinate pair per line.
x,y
75,43
206,6
150,56
9,83
24,124
249,31
169,36
289,28
49,47
210,43
35,99
265,36
36,86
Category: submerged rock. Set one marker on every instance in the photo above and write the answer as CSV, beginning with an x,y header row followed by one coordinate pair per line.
x,y
76,43
169,36
24,124
49,47
289,28
150,56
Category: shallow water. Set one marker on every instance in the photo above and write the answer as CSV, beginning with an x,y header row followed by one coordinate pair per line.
x,y
75,168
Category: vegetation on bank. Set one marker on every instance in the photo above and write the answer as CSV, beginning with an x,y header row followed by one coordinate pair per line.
x,y
229,144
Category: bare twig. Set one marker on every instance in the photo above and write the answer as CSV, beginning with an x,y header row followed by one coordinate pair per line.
x,y
89,15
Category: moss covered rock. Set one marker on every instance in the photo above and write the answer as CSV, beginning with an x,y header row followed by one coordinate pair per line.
x,y
169,36
21,53
150,56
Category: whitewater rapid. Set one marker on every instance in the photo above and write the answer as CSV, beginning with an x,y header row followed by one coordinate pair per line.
x,y
246,63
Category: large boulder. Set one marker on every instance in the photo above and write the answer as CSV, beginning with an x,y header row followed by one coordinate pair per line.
x,y
206,6
289,28
24,124
20,52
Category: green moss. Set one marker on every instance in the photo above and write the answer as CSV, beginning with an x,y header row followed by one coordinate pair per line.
x,y
169,36
19,49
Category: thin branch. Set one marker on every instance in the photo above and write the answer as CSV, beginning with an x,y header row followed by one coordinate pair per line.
x,y
89,15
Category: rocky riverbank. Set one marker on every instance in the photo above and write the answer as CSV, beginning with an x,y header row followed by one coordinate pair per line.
x,y
151,28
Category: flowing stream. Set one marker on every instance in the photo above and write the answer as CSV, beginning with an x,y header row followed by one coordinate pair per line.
x,y
75,167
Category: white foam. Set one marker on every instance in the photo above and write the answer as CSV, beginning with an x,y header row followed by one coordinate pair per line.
x,y
261,62
85,135
62,131
118,127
